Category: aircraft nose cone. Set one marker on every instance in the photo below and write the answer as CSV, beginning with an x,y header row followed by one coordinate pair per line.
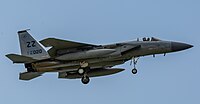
x,y
176,46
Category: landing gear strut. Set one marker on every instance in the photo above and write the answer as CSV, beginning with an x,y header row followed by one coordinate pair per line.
x,y
82,71
134,61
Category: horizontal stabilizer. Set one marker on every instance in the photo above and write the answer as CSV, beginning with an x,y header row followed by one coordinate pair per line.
x,y
29,75
20,58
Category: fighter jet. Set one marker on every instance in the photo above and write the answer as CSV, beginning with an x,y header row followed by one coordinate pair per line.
x,y
72,60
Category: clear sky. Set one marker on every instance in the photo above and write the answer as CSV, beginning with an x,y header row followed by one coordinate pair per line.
x,y
173,79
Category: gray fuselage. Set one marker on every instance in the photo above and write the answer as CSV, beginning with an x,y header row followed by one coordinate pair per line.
x,y
114,54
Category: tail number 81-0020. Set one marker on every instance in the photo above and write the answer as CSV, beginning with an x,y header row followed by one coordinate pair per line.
x,y
35,52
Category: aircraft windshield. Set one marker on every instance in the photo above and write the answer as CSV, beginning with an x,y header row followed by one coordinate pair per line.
x,y
149,39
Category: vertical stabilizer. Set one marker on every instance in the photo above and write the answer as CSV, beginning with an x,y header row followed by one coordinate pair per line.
x,y
30,47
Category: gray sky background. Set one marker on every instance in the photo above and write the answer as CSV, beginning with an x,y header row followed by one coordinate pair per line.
x,y
173,79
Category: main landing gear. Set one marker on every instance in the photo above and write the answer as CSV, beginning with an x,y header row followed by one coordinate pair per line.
x,y
134,61
85,79
82,71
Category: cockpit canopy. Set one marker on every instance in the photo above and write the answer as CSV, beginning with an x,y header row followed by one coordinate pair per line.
x,y
149,39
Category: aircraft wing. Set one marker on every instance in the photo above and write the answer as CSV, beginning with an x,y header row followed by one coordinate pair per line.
x,y
58,44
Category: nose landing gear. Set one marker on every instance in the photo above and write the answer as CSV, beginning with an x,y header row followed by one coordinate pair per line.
x,y
134,62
